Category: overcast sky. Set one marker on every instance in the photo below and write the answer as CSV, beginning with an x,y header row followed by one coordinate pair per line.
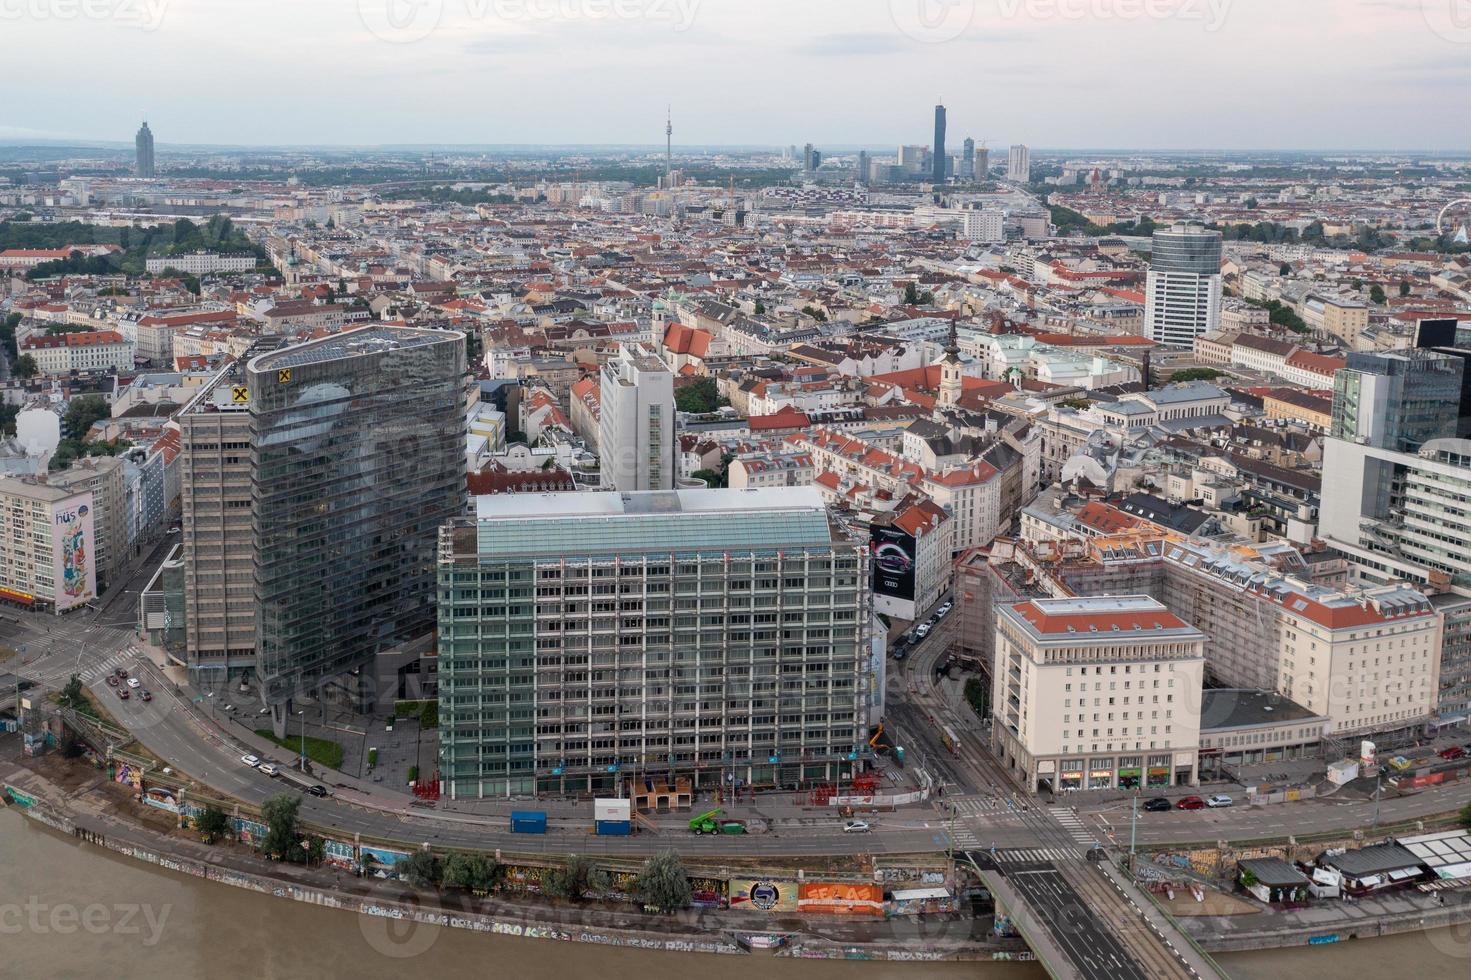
x,y
1289,74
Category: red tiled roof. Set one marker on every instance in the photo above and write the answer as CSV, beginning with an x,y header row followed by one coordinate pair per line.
x,y
787,418
1101,622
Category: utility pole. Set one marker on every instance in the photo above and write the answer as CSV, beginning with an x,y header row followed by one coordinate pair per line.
x,y
1133,825
1378,785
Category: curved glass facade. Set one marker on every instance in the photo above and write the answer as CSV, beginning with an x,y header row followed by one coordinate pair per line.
x,y
1189,249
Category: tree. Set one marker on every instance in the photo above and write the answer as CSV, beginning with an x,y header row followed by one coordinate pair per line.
x,y
279,813
421,869
1376,294
815,313
576,878
700,398
81,413
911,295
72,694
1286,269
1404,289
456,872
760,307
663,883
25,367
1196,374
212,825
8,414
1466,817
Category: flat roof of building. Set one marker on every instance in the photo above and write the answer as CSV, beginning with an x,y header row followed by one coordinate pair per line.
x,y
31,489
1230,708
675,521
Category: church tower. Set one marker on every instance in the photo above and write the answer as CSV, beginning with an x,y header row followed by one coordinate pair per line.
x,y
950,373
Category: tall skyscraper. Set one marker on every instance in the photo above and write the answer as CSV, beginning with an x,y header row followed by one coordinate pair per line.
x,y
144,146
1183,295
940,159
636,437
983,163
968,160
1019,165
864,163
357,454
911,159
569,662
811,159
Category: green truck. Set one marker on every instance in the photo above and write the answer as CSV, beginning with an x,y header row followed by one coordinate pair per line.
x,y
710,823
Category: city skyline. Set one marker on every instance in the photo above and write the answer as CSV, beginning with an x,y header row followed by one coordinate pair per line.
x,y
833,87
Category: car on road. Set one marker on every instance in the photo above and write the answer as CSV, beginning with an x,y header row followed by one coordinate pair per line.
x,y
317,791
112,680
121,672
1158,805
856,827
123,694
922,632
269,769
944,610
134,683
1453,754
1191,803
1219,801
250,760
147,695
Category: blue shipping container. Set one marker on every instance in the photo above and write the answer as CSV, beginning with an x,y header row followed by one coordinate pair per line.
x,y
614,828
528,822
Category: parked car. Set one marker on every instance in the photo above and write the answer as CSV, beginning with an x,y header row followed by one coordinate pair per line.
x,y
1191,803
922,632
1158,805
147,695
1220,800
269,769
134,683
856,827
944,610
1453,753
1401,764
317,791
250,760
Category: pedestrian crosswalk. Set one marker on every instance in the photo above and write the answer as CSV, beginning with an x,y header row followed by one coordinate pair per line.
x,y
981,804
1074,825
1035,855
123,658
965,838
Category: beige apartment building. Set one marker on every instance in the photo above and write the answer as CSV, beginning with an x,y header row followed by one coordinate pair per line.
x,y
104,477
1097,693
47,551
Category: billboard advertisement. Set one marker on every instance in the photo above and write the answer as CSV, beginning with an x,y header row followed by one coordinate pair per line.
x,y
764,896
893,553
74,554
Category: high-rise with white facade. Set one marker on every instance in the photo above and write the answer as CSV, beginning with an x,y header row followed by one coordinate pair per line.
x,y
48,549
1019,164
1183,294
636,431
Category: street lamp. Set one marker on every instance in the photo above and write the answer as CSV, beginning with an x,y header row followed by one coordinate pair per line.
x,y
302,715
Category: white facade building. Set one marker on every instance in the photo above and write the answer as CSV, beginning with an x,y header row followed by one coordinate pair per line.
x,y
47,547
636,431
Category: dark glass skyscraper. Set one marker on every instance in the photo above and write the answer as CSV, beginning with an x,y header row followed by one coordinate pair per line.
x,y
1398,400
144,145
358,456
941,161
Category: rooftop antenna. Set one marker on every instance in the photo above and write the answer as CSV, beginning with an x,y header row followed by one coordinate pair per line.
x,y
669,143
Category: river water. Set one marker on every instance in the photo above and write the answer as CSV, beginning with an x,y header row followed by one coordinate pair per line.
x,y
68,910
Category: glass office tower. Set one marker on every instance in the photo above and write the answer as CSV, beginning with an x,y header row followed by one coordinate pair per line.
x,y
358,456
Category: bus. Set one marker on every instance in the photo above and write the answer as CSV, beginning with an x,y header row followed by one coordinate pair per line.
x,y
951,740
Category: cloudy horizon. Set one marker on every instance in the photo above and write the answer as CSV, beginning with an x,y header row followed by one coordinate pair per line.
x,y
1146,74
